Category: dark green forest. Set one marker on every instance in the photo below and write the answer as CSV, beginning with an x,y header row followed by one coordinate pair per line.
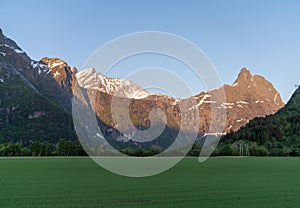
x,y
279,134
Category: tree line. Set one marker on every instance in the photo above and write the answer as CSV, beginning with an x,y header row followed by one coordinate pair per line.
x,y
74,148
62,148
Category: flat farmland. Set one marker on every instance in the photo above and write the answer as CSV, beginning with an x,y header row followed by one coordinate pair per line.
x,y
219,182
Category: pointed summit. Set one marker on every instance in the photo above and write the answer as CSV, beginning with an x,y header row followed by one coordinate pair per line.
x,y
74,70
244,76
91,79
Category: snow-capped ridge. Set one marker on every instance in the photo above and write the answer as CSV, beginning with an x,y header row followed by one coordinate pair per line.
x,y
91,79
17,50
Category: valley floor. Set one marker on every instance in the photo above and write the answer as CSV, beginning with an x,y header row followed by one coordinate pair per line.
x,y
219,182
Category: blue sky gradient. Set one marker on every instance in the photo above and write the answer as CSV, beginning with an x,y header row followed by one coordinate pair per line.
x,y
263,36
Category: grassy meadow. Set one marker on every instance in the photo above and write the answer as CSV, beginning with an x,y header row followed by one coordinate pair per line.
x,y
219,182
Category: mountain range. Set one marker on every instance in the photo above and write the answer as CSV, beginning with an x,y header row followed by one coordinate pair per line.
x,y
36,101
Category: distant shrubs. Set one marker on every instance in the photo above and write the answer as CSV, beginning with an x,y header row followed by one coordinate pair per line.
x,y
73,148
258,150
10,149
37,149
240,148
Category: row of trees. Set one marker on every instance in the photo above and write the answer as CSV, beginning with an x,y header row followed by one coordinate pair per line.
x,y
63,148
238,148
241,148
74,148
223,149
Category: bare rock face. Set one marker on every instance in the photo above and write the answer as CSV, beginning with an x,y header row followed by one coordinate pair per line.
x,y
60,71
64,75
249,97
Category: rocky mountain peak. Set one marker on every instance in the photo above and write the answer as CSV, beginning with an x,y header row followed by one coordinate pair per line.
x,y
91,79
55,63
250,96
244,76
12,53
60,71
10,44
74,70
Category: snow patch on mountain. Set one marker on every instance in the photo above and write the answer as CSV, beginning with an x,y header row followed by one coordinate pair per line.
x,y
242,102
17,50
56,63
203,100
90,79
39,66
275,98
227,105
56,74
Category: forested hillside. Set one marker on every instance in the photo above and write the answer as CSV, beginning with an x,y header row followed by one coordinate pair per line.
x,y
278,133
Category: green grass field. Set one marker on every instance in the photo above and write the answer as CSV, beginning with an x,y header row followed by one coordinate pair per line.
x,y
219,182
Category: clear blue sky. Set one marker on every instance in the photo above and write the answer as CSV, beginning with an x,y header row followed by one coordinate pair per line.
x,y
263,36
